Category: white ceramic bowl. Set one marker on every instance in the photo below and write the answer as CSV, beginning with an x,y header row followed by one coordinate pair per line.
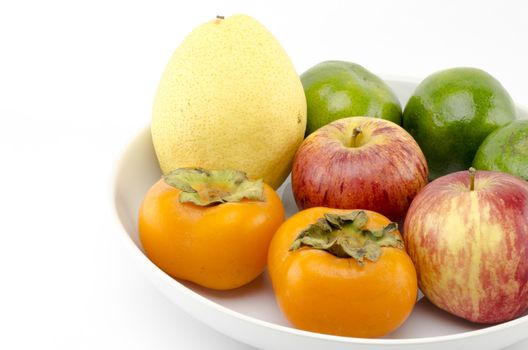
x,y
250,314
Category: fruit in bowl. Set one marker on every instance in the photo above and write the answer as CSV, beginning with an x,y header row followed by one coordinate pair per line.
x,y
250,313
359,162
230,98
451,112
467,234
339,89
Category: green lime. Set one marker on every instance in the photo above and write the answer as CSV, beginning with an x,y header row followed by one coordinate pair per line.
x,y
506,150
451,112
337,89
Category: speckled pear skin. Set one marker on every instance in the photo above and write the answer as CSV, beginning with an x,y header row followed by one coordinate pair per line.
x,y
230,98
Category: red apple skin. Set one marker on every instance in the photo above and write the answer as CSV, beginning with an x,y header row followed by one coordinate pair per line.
x,y
382,173
470,248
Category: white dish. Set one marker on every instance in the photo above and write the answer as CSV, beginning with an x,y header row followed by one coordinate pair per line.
x,y
250,314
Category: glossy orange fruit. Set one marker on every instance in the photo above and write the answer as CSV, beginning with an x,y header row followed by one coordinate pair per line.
x,y
321,292
219,246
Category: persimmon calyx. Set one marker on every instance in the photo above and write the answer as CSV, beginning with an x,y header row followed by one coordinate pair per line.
x,y
208,187
345,237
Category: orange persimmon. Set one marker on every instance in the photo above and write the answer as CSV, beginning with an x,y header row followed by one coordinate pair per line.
x,y
209,227
342,272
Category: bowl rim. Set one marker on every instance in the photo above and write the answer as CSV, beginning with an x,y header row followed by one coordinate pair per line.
x,y
142,259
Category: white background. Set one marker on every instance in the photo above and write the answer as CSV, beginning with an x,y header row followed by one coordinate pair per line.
x,y
77,80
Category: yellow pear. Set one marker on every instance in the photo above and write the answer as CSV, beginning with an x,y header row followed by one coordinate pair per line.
x,y
230,98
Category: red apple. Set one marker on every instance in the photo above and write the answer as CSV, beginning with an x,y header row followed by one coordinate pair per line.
x,y
359,163
467,235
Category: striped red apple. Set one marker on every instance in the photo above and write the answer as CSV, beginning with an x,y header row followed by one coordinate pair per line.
x,y
359,163
467,234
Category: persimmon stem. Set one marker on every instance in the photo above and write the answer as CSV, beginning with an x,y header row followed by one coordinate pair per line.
x,y
212,187
348,236
472,172
355,133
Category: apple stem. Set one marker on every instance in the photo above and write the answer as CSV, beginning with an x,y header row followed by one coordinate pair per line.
x,y
355,133
219,17
472,172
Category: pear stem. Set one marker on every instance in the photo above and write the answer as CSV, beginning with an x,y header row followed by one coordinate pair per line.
x,y
472,172
355,133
